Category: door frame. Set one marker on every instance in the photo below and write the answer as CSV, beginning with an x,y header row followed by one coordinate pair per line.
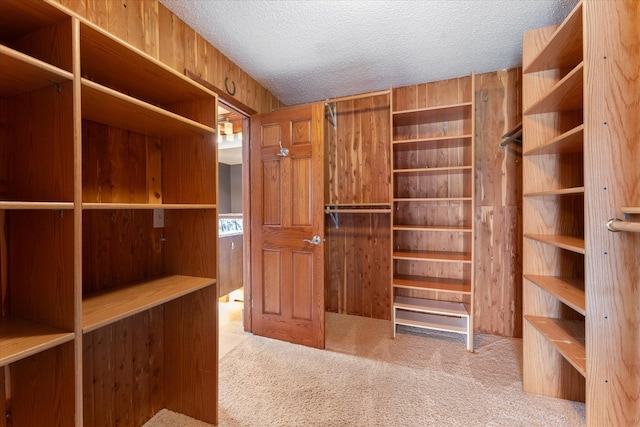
x,y
244,110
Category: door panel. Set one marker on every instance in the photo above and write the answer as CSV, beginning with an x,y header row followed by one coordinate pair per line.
x,y
287,203
271,282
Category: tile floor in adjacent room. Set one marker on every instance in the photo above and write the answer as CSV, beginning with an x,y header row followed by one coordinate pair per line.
x,y
231,331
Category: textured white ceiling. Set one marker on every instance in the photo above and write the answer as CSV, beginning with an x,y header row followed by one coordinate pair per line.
x,y
305,51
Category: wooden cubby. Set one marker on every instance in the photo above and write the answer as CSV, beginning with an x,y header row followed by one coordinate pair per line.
x,y
578,149
97,139
432,151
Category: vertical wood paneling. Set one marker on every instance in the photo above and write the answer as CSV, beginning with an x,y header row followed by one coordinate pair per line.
x,y
3,398
171,39
190,242
40,266
41,168
119,247
358,152
498,210
191,386
42,388
357,265
123,371
114,165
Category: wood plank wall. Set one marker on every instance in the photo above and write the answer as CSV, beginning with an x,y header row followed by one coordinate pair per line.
x,y
357,265
498,210
154,29
357,262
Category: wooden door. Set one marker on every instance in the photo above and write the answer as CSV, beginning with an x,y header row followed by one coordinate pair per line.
x,y
287,211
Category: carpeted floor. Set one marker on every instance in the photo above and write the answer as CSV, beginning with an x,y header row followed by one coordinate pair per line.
x,y
366,378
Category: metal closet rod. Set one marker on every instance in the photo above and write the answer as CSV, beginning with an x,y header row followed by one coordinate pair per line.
x,y
514,134
362,95
615,224
333,112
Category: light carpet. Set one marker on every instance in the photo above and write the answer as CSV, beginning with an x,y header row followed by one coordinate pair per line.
x,y
366,378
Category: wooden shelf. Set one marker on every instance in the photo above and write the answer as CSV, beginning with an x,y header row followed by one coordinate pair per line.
x,y
630,210
434,199
20,73
432,156
566,95
441,284
445,308
170,206
432,114
107,106
567,336
448,228
19,17
433,256
447,169
571,141
570,243
449,140
107,60
103,308
431,321
564,48
560,192
20,338
569,290
14,205
358,208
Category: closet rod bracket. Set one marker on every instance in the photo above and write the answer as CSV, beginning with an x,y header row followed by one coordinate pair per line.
x,y
333,114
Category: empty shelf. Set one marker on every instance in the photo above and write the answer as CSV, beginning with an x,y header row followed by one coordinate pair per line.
x,y
109,306
20,338
567,336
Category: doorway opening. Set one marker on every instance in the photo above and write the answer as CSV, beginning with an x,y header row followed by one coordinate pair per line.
x,y
233,230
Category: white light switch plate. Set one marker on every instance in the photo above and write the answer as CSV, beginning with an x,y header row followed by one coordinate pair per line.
x,y
158,218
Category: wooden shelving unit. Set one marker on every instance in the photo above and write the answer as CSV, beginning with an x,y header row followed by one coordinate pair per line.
x,y
580,142
432,135
95,136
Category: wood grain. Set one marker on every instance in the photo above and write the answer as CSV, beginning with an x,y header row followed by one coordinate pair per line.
x,y
106,307
498,212
357,265
122,364
358,152
5,401
45,239
41,169
612,153
119,247
42,388
191,335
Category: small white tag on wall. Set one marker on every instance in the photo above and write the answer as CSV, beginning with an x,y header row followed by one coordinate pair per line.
x,y
158,218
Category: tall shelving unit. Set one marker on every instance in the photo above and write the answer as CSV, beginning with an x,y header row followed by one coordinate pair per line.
x,y
108,227
580,127
432,144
